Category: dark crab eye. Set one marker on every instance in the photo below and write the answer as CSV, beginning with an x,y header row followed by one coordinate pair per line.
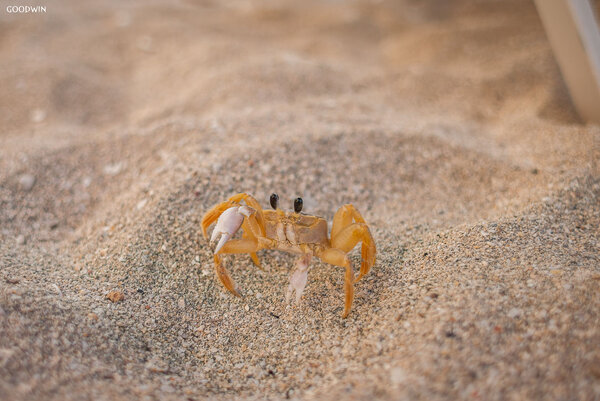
x,y
298,205
274,200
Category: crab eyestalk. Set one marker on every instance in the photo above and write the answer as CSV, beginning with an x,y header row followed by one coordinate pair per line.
x,y
274,200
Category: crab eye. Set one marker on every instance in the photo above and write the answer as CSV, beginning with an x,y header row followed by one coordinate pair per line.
x,y
298,205
274,200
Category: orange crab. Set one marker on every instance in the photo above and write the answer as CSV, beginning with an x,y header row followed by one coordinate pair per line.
x,y
292,232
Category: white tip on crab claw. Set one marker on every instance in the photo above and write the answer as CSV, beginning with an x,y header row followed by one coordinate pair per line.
x,y
228,223
224,238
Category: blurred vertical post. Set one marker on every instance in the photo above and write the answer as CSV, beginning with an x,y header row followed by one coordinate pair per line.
x,y
573,32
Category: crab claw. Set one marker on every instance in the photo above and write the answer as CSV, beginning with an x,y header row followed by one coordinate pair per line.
x,y
228,223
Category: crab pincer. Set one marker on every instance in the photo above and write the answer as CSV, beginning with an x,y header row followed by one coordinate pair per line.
x,y
228,224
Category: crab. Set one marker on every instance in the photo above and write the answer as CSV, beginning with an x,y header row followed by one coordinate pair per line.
x,y
293,232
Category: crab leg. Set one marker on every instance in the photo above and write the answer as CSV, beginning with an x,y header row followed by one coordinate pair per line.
x,y
338,258
347,239
298,278
244,245
213,214
248,233
345,216
232,246
224,277
345,234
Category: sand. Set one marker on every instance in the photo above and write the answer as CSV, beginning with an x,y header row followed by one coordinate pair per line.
x,y
447,124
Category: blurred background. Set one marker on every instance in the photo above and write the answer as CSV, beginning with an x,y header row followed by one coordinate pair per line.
x,y
86,65
479,75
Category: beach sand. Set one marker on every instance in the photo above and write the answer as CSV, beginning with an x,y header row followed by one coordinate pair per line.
x,y
447,124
